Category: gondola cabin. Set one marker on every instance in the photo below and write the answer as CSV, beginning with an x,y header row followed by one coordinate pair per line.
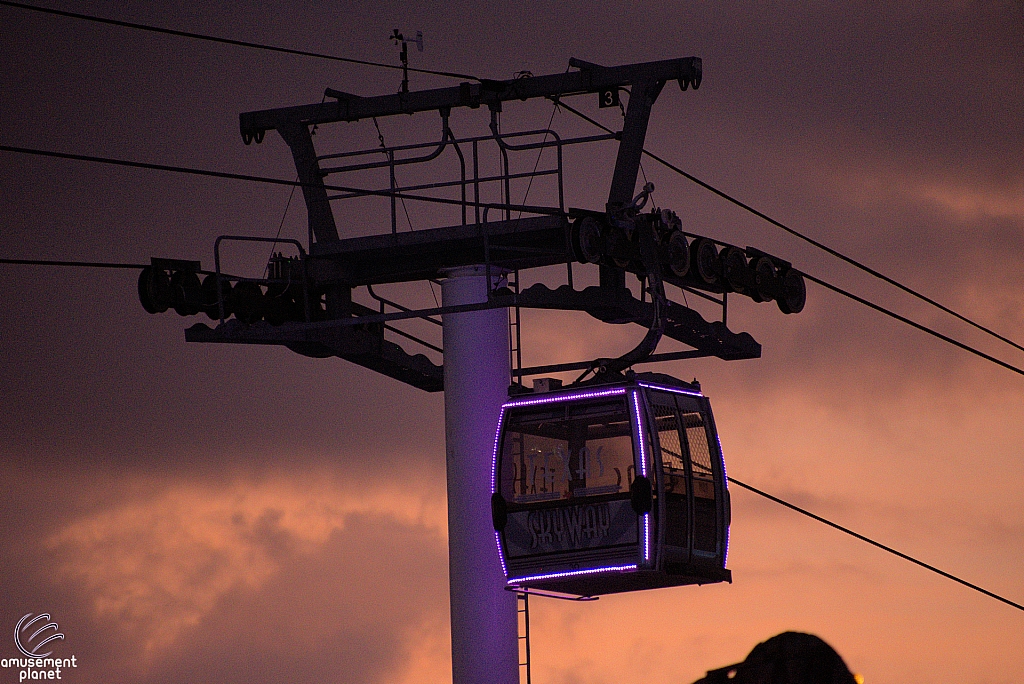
x,y
611,487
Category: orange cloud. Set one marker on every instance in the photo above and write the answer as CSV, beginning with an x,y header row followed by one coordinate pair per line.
x,y
160,565
968,202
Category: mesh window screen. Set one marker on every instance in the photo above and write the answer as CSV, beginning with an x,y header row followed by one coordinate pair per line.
x,y
705,526
668,437
673,459
697,438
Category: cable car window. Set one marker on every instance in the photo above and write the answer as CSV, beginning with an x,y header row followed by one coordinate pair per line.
x,y
700,453
567,451
672,457
673,463
705,521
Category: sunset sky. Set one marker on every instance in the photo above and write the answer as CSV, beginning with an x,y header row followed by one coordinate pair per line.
x,y
227,513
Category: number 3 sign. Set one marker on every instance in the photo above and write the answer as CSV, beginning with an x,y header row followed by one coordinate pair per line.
x,y
608,98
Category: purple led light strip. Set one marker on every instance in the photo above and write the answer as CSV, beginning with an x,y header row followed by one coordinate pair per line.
x,y
494,469
501,556
573,573
515,403
646,537
494,455
725,484
643,471
640,435
721,456
674,390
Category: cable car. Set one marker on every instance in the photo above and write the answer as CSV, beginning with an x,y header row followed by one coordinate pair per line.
x,y
610,487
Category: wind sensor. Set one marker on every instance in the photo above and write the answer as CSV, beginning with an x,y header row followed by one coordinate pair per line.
x,y
397,38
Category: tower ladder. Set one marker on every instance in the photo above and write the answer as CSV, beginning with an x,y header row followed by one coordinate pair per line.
x,y
515,355
523,610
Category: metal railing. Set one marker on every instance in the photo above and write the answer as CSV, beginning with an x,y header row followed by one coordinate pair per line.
x,y
477,183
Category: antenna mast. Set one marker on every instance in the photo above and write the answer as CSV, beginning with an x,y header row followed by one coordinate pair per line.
x,y
396,38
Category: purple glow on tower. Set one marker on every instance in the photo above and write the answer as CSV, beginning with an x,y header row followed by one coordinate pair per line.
x,y
573,573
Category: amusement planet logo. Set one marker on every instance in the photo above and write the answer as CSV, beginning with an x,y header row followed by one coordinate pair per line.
x,y
31,636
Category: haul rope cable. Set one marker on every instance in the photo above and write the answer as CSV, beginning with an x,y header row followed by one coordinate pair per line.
x,y
226,41
805,238
221,174
385,193
690,177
